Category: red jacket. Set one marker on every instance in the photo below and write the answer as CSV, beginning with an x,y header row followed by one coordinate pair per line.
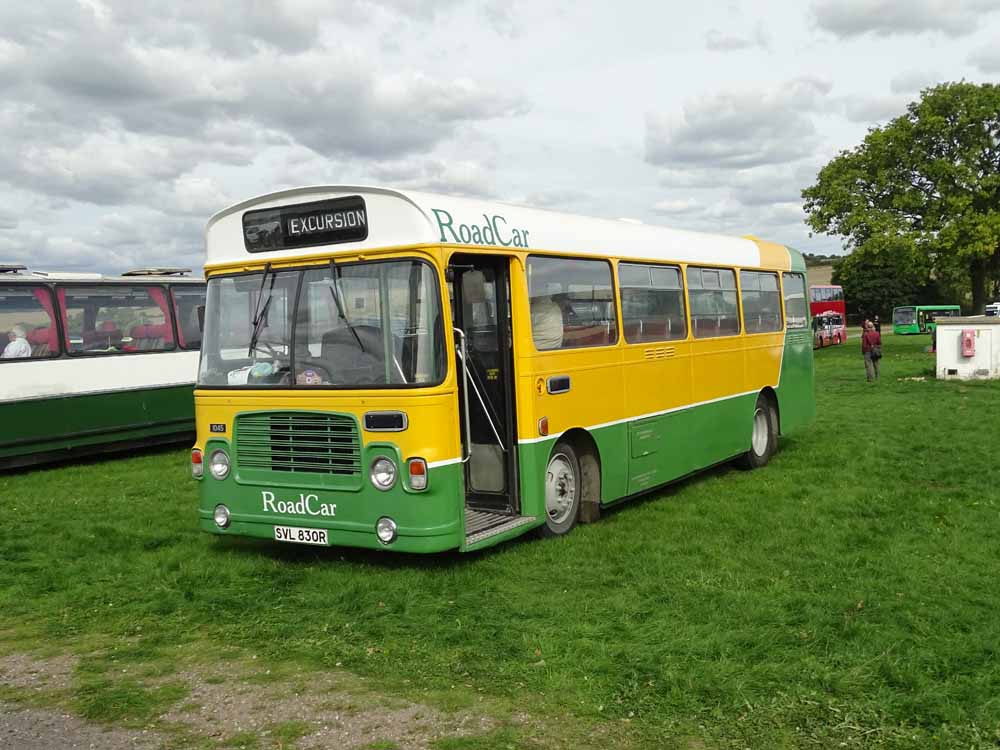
x,y
870,339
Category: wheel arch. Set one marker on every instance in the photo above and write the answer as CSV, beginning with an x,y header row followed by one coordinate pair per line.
x,y
591,476
772,395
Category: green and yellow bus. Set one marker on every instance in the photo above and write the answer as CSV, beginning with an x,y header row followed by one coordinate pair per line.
x,y
920,318
419,373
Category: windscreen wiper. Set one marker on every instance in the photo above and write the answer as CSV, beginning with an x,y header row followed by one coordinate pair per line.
x,y
260,311
335,274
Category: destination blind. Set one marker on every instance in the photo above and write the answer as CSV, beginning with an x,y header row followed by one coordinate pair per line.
x,y
326,222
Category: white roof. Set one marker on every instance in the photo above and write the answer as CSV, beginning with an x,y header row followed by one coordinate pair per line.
x,y
396,218
84,277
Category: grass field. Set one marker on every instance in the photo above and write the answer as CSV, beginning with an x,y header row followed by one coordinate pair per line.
x,y
844,596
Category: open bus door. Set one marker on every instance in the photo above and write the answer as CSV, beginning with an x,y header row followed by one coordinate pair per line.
x,y
482,315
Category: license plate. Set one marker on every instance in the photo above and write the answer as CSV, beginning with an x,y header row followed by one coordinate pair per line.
x,y
301,536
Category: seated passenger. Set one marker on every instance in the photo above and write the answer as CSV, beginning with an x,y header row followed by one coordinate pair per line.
x,y
18,346
546,323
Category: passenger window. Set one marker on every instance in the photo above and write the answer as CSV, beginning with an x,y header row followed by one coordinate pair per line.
x,y
761,301
115,318
796,313
714,307
571,303
652,303
28,323
187,299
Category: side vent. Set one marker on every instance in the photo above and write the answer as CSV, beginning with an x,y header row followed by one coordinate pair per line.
x,y
660,352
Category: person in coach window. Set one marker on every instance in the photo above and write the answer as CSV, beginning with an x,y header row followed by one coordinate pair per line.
x,y
18,346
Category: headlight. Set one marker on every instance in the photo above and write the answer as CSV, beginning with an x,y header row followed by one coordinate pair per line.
x,y
383,473
218,464
221,516
385,530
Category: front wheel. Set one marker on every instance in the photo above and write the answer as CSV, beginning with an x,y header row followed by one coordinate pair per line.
x,y
562,491
764,435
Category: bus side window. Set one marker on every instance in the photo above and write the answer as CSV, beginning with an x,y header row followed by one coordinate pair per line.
x,y
652,300
27,323
572,303
115,318
714,304
761,301
796,311
187,299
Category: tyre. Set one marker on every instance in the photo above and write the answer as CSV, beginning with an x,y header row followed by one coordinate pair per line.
x,y
763,436
562,491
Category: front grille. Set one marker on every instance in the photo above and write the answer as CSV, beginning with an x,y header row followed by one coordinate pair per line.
x,y
306,442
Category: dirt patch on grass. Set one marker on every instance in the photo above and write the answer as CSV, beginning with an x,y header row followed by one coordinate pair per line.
x,y
312,710
240,705
42,729
23,672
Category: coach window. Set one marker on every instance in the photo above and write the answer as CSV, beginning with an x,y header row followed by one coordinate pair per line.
x,y
115,319
796,312
714,307
187,299
27,323
652,303
761,301
572,303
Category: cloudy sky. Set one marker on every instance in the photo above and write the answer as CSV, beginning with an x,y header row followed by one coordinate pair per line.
x,y
125,125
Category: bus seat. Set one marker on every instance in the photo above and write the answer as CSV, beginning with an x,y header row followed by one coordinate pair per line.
x,y
106,335
39,340
340,348
148,337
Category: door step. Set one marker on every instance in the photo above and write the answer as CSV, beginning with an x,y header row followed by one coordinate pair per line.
x,y
481,524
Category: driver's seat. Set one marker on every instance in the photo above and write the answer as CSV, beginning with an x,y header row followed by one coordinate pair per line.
x,y
340,349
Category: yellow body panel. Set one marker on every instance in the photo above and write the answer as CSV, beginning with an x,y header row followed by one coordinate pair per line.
x,y
656,376
432,434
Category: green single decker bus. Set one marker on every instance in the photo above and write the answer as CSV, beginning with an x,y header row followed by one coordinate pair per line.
x,y
921,318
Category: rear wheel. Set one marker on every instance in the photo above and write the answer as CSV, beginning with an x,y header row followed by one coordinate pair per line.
x,y
562,491
764,434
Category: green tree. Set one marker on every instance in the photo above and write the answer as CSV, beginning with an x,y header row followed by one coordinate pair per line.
x,y
882,274
931,178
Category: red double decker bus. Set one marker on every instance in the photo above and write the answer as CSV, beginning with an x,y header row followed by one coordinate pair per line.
x,y
829,315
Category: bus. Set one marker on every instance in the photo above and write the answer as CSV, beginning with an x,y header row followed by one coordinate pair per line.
x,y
415,372
828,329
94,364
829,313
920,318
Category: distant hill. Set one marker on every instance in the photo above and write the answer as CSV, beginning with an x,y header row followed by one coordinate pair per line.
x,y
819,274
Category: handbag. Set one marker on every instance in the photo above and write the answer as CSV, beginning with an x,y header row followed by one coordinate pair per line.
x,y
876,351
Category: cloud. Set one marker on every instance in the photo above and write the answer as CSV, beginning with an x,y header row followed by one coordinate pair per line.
x,y
914,81
671,207
739,130
454,177
854,18
102,101
869,110
987,59
718,41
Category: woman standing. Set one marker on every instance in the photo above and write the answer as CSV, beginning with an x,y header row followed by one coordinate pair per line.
x,y
871,350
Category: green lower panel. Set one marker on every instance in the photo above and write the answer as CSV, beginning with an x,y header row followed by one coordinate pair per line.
x,y
60,427
639,455
796,392
427,521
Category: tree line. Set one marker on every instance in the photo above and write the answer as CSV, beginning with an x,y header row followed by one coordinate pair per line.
x,y
917,204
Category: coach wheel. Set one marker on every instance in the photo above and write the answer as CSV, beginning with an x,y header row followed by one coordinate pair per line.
x,y
562,491
763,436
